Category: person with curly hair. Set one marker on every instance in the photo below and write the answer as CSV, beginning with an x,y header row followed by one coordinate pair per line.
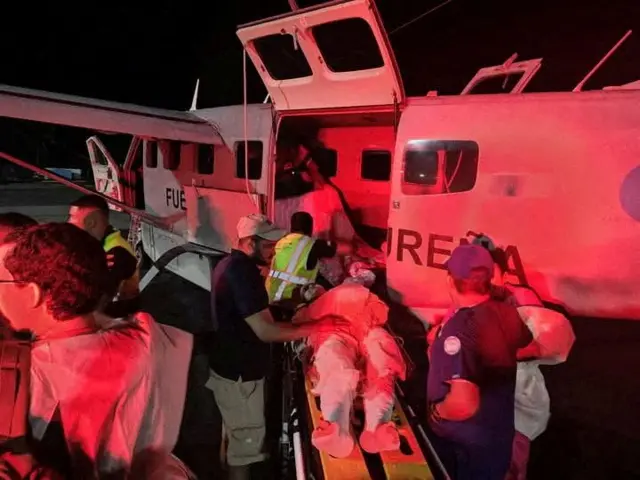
x,y
112,388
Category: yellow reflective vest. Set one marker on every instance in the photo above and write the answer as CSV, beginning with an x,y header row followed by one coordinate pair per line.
x,y
129,288
289,267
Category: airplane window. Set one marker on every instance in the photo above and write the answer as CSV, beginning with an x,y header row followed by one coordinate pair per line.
x,y
363,52
421,167
205,159
255,160
281,58
436,167
151,154
100,157
375,165
171,158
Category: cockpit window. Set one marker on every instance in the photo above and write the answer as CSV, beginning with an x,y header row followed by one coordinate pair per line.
x,y
101,159
348,45
283,59
439,166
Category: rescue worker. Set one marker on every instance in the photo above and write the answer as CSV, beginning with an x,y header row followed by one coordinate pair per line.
x,y
91,214
553,339
240,357
472,373
340,358
296,260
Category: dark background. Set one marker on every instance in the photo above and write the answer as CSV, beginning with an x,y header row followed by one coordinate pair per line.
x,y
151,53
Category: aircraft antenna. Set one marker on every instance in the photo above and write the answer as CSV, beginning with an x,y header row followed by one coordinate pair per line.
x,y
419,17
599,64
194,102
294,5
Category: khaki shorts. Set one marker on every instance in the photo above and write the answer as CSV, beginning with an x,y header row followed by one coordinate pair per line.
x,y
242,407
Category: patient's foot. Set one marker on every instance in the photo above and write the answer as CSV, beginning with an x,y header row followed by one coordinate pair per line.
x,y
384,438
328,438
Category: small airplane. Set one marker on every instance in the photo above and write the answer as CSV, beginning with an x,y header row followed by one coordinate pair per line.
x,y
552,177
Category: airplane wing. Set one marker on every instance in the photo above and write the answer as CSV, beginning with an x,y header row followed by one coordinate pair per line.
x,y
100,115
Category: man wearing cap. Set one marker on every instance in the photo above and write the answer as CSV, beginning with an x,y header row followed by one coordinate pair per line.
x,y
472,373
240,355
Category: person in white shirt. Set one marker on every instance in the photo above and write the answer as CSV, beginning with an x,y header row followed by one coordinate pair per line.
x,y
116,387
553,338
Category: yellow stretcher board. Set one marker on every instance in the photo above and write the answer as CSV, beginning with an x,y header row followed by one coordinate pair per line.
x,y
351,468
408,463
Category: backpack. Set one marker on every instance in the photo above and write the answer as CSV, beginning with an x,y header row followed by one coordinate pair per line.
x,y
16,459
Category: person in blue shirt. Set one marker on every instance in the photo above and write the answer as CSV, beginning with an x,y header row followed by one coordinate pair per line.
x,y
472,372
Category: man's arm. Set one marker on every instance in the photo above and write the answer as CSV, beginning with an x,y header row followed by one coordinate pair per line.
x,y
320,249
461,403
250,296
460,367
268,331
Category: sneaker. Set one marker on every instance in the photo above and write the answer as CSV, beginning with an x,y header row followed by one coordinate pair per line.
x,y
327,438
383,439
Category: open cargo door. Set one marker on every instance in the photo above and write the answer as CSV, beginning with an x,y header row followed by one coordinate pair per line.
x,y
335,55
510,77
107,176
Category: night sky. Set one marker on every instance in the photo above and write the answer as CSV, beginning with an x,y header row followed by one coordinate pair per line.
x,y
152,54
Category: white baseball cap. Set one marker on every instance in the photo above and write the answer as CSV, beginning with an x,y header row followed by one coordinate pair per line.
x,y
256,225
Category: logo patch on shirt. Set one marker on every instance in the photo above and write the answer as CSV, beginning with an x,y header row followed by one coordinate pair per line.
x,y
452,345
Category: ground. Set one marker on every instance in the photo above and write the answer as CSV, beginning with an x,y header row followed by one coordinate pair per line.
x,y
595,425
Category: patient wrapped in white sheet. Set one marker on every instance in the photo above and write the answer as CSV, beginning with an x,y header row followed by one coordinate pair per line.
x,y
363,353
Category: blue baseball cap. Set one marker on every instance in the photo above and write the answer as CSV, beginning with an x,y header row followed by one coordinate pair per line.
x,y
466,258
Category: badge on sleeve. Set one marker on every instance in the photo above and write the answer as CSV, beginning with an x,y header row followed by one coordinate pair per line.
x,y
452,345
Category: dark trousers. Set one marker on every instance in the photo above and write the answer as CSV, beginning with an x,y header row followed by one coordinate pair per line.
x,y
474,462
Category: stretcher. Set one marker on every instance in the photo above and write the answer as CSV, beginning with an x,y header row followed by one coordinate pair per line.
x,y
407,463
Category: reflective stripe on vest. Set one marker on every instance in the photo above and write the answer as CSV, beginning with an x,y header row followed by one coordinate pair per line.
x,y
130,287
289,267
